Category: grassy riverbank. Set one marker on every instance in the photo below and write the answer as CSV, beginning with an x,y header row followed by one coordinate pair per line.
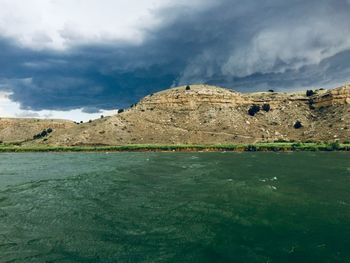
x,y
276,147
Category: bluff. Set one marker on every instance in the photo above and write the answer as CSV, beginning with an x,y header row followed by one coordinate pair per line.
x,y
203,114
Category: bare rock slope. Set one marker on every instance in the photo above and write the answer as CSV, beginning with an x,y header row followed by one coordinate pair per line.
x,y
202,114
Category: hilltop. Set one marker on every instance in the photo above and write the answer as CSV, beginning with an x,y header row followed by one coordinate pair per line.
x,y
203,114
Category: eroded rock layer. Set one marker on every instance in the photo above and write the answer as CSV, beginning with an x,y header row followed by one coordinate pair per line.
x,y
338,96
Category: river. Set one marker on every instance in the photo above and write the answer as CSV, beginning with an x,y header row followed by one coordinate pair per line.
x,y
175,207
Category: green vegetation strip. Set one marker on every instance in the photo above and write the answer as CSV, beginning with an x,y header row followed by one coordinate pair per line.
x,y
276,147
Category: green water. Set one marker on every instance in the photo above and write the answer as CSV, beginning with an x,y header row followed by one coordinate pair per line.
x,y
175,207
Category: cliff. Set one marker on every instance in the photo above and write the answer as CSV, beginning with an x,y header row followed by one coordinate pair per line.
x,y
339,96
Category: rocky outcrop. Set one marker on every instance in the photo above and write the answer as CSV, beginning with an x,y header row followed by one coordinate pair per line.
x,y
193,97
338,96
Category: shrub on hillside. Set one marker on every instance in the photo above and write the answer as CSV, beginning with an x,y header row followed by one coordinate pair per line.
x,y
266,107
37,136
309,93
298,125
254,109
120,110
188,88
43,134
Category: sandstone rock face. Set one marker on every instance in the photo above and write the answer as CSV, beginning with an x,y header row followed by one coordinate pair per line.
x,y
338,96
211,115
197,95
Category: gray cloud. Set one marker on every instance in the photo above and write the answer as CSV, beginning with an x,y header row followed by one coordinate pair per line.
x,y
251,45
27,115
266,37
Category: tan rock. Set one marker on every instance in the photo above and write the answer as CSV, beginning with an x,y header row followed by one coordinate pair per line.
x,y
338,96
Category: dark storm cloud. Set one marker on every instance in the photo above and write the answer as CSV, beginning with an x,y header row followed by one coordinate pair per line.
x,y
250,45
89,78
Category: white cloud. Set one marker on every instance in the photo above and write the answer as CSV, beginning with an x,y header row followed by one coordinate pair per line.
x,y
11,109
61,23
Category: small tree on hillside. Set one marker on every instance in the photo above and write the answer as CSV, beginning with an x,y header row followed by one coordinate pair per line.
x,y
266,107
310,93
254,109
43,133
298,125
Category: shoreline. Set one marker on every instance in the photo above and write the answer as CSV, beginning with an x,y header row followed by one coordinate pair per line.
x,y
258,147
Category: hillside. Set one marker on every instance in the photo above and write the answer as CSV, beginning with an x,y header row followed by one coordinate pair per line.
x,y
211,115
19,130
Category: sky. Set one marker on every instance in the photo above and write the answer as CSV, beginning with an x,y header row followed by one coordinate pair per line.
x,y
79,59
